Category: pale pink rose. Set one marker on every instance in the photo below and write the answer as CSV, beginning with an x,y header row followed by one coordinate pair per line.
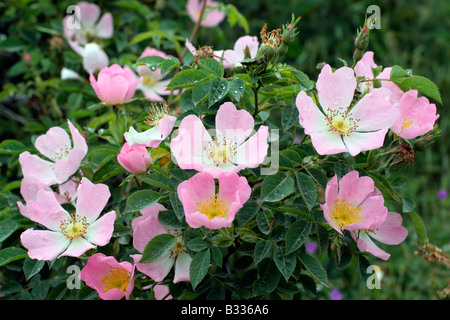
x,y
152,85
162,292
145,228
353,203
417,116
135,159
69,234
89,27
153,136
115,85
228,150
390,232
111,279
340,128
204,207
94,58
65,158
363,68
232,58
211,17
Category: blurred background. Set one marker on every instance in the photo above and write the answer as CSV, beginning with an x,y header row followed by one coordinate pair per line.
x,y
413,34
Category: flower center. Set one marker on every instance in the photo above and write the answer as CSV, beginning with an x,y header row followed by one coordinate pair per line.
x,y
156,112
214,207
117,278
221,150
344,213
74,227
340,122
272,38
407,123
150,80
177,249
61,154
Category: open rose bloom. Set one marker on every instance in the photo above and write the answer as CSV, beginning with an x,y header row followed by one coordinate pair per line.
x,y
354,204
69,234
64,156
228,150
145,228
338,127
211,17
111,279
204,207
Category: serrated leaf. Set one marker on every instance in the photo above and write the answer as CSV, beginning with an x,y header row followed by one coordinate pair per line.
x,y
169,219
157,247
262,249
419,226
158,180
211,66
169,64
186,102
303,79
268,277
218,90
198,244
199,267
264,220
289,117
423,85
314,268
276,187
237,88
31,267
152,62
140,200
187,78
200,93
11,254
247,212
177,206
285,263
307,189
7,228
297,234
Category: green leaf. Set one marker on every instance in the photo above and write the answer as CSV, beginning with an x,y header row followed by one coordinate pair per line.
x,y
177,206
169,219
159,180
285,263
237,88
187,78
397,72
198,244
408,205
363,264
11,146
7,228
424,85
307,189
169,64
262,249
384,185
11,254
218,90
152,62
264,221
314,268
268,277
199,267
303,79
211,66
140,200
247,212
319,176
276,187
297,234
201,92
419,226
234,16
157,247
31,267
289,117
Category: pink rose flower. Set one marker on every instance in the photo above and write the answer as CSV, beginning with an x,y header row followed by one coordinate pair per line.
x,y
162,292
390,232
363,68
211,17
204,207
89,28
111,279
232,58
417,116
162,124
69,234
340,128
115,85
56,146
145,228
135,159
228,150
353,203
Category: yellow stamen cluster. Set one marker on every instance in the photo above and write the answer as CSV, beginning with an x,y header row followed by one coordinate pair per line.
x,y
214,207
221,150
74,227
344,214
407,123
272,38
339,121
117,278
157,111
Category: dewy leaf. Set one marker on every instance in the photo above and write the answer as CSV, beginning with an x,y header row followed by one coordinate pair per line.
x,y
297,234
218,90
157,247
140,200
237,88
199,267
262,249
187,78
307,188
315,268
31,267
169,64
285,263
11,254
211,66
303,79
276,187
268,277
152,62
289,117
201,92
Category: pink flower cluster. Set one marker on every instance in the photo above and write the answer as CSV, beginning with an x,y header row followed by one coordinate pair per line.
x,y
354,203
341,124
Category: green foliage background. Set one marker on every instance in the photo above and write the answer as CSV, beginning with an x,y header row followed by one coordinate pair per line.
x,y
413,34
